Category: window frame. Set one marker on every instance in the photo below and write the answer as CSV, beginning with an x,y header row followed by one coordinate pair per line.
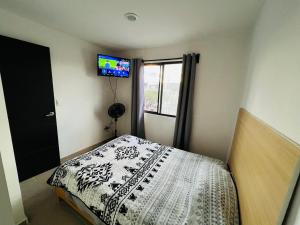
x,y
161,86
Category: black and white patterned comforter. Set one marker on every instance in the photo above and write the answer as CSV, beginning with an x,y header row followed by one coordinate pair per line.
x,y
134,181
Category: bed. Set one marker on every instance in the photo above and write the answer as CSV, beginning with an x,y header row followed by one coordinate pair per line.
x,y
135,181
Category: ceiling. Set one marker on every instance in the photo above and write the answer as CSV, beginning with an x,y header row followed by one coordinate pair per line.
x,y
160,22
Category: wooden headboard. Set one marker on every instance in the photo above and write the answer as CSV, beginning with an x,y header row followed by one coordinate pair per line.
x,y
265,166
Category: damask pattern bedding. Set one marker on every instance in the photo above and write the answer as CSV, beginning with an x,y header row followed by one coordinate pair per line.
x,y
132,181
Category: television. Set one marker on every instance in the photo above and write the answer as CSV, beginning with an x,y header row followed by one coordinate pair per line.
x,y
111,66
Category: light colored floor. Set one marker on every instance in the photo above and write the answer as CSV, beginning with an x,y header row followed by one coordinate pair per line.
x,y
42,206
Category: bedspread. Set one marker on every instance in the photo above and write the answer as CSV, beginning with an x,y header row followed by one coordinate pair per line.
x,y
134,181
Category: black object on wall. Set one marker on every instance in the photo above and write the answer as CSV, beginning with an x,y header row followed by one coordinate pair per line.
x,y
25,70
115,111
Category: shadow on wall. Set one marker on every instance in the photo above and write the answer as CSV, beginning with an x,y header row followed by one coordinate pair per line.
x,y
124,122
124,97
293,216
89,61
102,116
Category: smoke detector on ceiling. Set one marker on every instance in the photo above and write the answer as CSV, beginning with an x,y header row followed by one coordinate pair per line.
x,y
131,16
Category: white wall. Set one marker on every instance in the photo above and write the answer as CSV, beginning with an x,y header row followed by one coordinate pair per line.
x,y
9,164
273,83
5,206
82,97
159,129
218,91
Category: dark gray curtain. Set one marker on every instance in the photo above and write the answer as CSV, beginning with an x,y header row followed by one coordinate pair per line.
x,y
185,102
137,99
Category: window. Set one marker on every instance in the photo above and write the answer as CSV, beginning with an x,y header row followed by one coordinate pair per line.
x,y
161,86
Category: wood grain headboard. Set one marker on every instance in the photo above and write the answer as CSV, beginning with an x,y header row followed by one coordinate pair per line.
x,y
265,166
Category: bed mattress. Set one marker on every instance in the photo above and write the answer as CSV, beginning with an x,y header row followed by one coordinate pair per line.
x,y
134,181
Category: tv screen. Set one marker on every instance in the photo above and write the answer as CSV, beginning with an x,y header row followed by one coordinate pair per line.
x,y
113,66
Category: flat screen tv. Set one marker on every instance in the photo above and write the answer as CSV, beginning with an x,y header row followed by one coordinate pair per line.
x,y
111,66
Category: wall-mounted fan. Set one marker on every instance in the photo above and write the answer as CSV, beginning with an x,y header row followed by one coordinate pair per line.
x,y
115,111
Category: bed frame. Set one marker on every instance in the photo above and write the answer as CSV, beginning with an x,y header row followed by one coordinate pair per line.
x,y
264,165
62,195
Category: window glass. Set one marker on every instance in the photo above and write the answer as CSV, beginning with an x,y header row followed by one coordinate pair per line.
x,y
161,86
151,87
170,91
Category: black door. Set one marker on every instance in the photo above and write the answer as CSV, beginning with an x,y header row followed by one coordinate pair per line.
x,y
27,83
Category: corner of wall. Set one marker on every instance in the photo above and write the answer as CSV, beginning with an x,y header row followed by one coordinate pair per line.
x,y
9,163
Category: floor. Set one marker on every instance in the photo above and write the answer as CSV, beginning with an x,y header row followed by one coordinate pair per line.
x,y
41,205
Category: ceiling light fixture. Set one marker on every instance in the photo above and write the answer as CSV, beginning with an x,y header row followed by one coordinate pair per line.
x,y
131,16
